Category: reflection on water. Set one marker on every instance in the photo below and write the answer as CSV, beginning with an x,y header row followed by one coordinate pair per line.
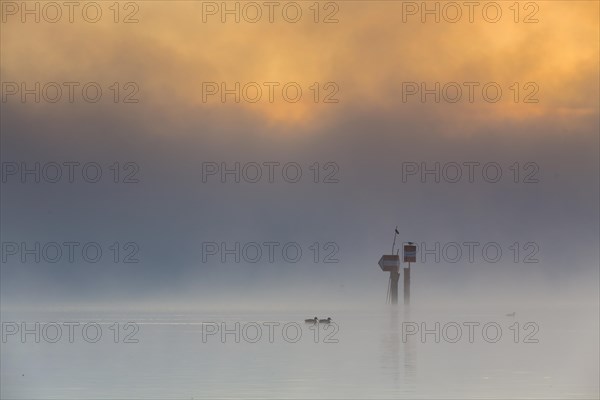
x,y
180,356
410,358
398,358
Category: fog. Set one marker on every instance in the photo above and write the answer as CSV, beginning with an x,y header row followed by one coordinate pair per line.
x,y
166,221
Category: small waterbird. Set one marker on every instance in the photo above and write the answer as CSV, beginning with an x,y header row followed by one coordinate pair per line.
x,y
312,320
512,314
325,321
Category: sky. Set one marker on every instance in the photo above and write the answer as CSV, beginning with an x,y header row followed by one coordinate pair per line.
x,y
388,93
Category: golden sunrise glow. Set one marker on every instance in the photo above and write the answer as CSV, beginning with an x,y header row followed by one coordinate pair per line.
x,y
368,54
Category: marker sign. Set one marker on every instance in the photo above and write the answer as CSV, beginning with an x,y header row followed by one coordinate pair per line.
x,y
410,253
389,262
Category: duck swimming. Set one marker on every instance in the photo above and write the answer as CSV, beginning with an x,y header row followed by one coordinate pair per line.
x,y
312,320
325,321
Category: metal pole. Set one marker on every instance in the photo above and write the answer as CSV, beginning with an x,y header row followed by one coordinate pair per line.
x,y
407,285
394,278
387,296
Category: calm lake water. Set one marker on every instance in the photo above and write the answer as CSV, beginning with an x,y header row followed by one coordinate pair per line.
x,y
363,354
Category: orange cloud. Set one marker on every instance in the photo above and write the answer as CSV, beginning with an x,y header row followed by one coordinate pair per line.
x,y
367,56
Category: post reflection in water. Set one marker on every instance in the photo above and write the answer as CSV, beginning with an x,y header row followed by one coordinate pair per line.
x,y
399,362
